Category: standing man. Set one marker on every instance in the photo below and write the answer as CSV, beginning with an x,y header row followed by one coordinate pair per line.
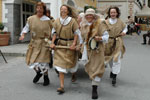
x,y
144,38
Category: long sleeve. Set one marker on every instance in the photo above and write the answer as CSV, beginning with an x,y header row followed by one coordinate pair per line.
x,y
125,29
53,31
78,32
105,37
25,29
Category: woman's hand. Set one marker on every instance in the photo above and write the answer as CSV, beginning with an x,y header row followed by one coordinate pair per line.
x,y
98,38
73,46
122,34
52,45
21,37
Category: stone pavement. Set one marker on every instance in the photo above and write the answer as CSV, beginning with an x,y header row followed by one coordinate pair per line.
x,y
133,82
14,50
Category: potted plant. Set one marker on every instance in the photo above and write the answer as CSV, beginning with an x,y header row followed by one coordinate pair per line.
x,y
4,36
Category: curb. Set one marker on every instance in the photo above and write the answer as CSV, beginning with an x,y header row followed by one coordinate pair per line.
x,y
14,54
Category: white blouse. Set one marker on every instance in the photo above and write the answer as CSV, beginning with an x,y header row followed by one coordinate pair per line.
x,y
113,21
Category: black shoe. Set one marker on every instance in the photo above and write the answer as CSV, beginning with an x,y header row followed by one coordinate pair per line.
x,y
114,79
46,80
37,77
111,75
94,92
143,43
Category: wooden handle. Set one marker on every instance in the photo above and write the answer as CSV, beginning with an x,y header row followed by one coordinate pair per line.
x,y
62,47
59,47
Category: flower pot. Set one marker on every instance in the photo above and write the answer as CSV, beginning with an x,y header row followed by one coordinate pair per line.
x,y
4,39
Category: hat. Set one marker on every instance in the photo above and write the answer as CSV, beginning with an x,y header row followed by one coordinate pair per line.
x,y
90,11
81,15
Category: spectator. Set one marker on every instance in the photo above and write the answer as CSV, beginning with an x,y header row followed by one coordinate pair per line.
x,y
144,38
138,31
131,28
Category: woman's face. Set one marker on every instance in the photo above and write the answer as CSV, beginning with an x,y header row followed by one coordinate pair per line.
x,y
64,11
113,13
40,10
89,18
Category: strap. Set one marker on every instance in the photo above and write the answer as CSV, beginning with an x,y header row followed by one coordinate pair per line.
x,y
66,39
61,27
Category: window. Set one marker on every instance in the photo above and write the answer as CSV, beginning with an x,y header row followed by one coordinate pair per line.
x,y
27,10
148,3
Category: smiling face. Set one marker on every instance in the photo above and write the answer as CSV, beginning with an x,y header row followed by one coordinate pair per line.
x,y
113,13
89,18
64,11
40,10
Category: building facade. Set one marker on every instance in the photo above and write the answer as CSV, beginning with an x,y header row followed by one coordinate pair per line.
x,y
14,13
127,7
0,10
80,4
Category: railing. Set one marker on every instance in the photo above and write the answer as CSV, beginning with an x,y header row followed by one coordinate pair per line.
x,y
3,56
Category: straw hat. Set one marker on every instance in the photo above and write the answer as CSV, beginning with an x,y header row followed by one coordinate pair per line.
x,y
90,11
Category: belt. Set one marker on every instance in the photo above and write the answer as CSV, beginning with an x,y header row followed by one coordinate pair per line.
x,y
114,37
114,44
66,39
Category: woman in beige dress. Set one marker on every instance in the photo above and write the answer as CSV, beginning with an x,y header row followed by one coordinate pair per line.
x,y
66,30
93,26
115,49
38,56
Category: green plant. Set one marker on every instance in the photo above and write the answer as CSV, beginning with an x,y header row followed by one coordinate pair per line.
x,y
2,32
1,26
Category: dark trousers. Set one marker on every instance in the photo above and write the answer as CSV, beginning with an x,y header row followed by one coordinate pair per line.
x,y
144,38
130,30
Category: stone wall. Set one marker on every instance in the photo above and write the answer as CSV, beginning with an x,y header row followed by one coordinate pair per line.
x,y
0,10
13,24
